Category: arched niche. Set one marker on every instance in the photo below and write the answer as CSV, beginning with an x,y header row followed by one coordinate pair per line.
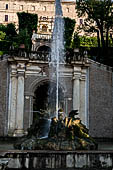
x,y
44,48
44,97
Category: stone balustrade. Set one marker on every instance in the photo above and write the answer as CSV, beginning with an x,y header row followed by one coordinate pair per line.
x,y
69,57
70,160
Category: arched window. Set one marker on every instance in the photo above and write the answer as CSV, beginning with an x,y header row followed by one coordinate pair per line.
x,y
6,6
44,8
44,48
67,9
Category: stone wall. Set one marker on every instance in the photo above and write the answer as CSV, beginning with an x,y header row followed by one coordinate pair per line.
x,y
100,101
3,97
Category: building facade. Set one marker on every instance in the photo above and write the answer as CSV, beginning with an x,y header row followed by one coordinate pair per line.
x,y
45,9
84,85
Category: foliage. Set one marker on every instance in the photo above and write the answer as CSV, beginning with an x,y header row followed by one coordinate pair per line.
x,y
7,36
68,33
5,45
24,38
2,35
27,21
3,28
1,53
76,41
27,24
11,31
83,41
88,41
98,18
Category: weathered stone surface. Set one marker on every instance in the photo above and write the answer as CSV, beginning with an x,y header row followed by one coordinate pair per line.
x,y
100,101
70,160
4,80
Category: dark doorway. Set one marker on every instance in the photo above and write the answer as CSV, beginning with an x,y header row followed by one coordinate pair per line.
x,y
44,48
45,99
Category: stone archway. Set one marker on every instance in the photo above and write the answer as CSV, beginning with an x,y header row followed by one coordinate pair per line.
x,y
44,48
45,99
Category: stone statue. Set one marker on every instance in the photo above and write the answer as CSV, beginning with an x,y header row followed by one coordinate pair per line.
x,y
66,133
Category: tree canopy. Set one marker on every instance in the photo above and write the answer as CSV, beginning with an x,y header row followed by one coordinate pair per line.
x,y
98,18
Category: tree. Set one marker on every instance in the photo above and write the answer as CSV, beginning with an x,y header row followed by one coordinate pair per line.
x,y
11,31
98,18
24,38
28,24
27,21
68,33
76,41
7,34
2,35
3,28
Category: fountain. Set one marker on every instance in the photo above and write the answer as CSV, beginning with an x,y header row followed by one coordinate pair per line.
x,y
64,132
57,47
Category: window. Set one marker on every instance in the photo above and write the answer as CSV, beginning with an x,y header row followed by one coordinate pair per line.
x,y
6,18
33,8
44,28
81,21
6,6
67,9
14,6
44,18
44,8
21,7
49,30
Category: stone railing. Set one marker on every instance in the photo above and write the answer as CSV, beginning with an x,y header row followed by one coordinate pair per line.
x,y
39,56
75,56
57,160
69,56
44,37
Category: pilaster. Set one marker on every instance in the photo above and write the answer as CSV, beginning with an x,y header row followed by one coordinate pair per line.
x,y
83,96
12,100
20,100
76,88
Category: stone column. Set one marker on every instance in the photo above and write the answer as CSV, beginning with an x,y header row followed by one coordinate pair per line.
x,y
12,103
76,90
28,117
83,98
20,101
